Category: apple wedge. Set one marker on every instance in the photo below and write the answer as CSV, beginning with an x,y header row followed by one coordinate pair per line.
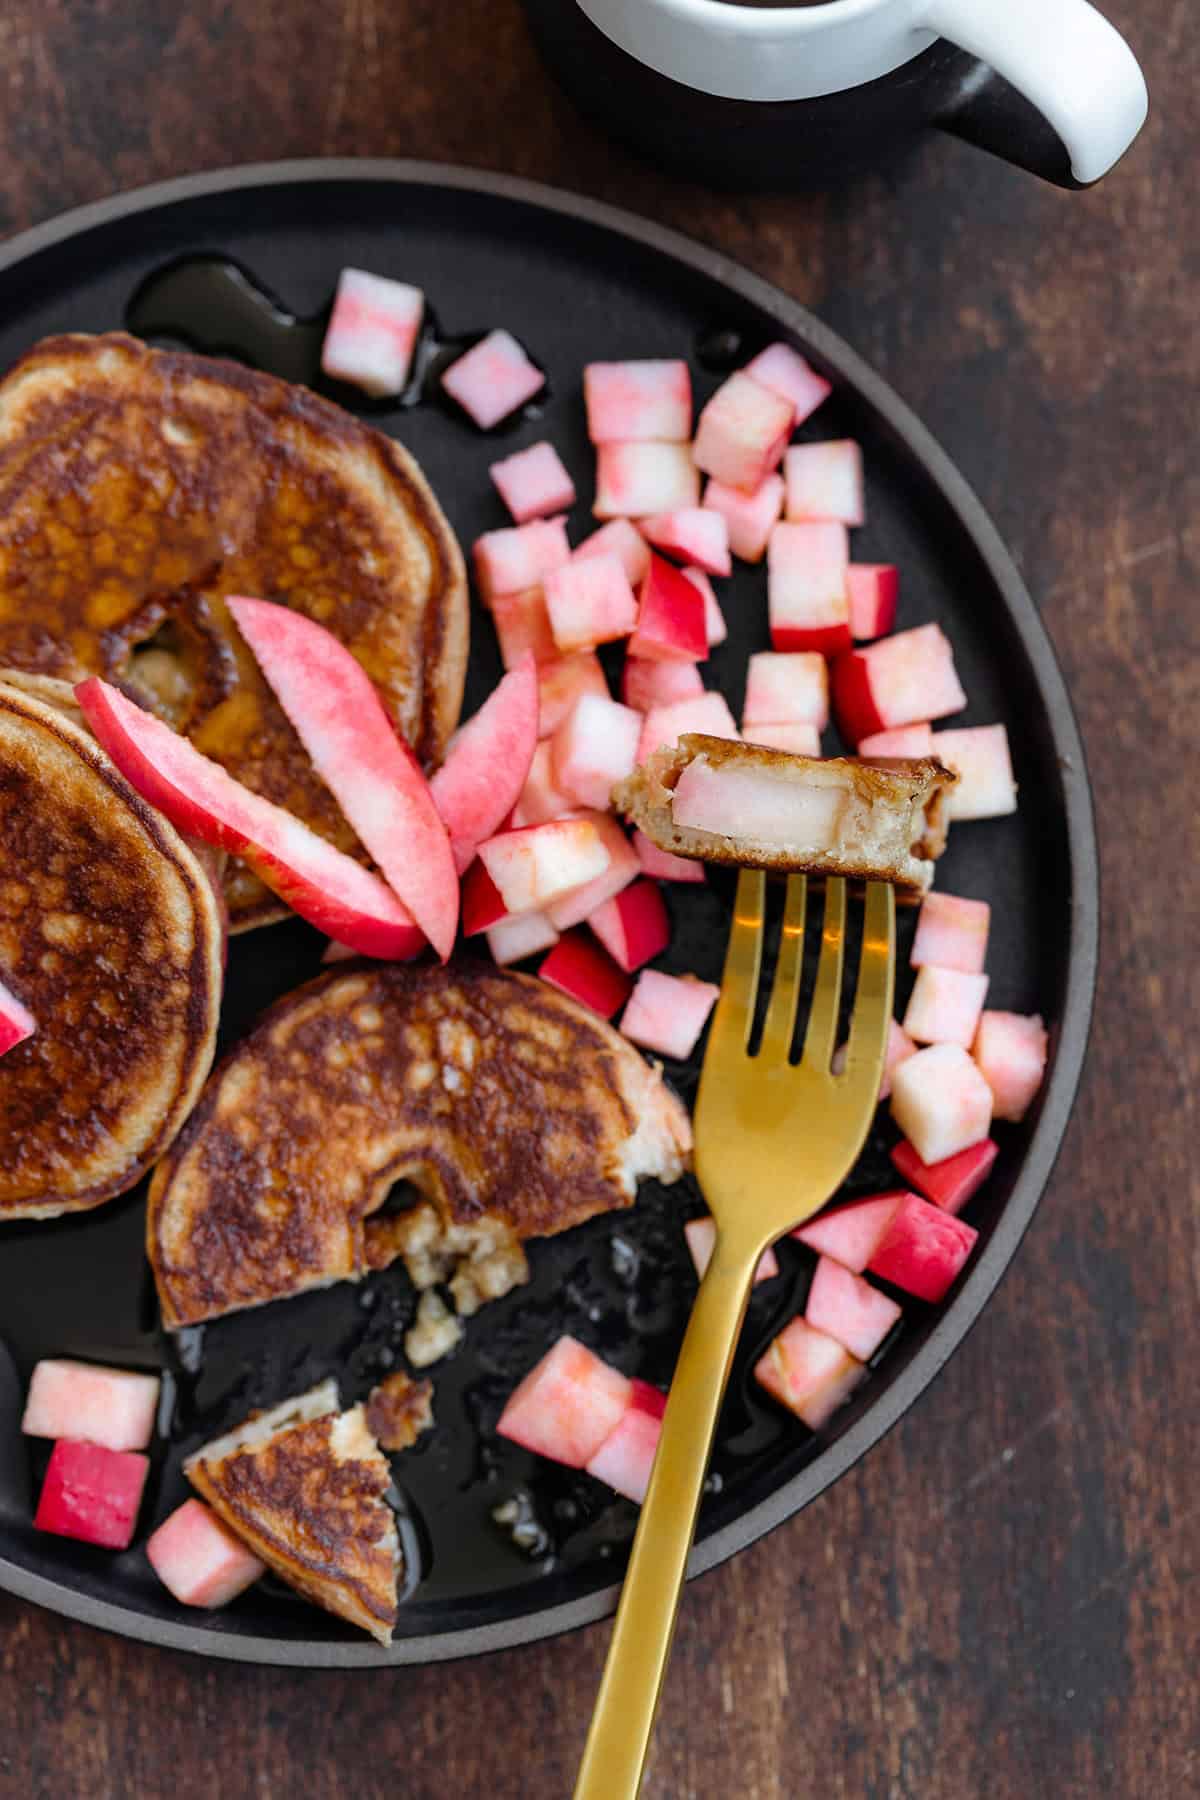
x,y
321,883
488,763
375,778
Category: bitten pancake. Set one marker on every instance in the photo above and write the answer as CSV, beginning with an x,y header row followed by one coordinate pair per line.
x,y
303,1486
112,934
514,1111
140,487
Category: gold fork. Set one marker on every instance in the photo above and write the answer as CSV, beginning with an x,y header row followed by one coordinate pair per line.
x,y
774,1139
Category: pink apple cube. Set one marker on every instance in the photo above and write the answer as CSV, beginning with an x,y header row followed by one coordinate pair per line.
x,y
941,1102
633,926
668,1012
701,1235
112,1407
561,682
579,967
807,602
482,902
905,740
852,1233
785,372
626,1457
623,867
16,1021
589,603
707,713
567,1405
638,402
849,1309
633,480
743,432
523,628
692,534
199,1560
646,684
874,590
924,1250
593,748
786,688
533,483
952,933
372,332
1010,1049
92,1493
622,539
715,628
749,518
518,557
512,940
671,623
795,740
897,681
945,1006
541,798
979,756
662,866
533,867
493,379
951,1183
825,481
808,1372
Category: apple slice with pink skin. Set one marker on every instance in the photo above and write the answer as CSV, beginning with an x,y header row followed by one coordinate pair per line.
x,y
482,902
336,711
1010,1049
581,968
537,865
951,1182
808,1372
622,867
16,1021
662,866
924,1249
321,883
849,1309
646,684
670,619
199,1560
567,1405
874,590
633,926
785,372
488,763
825,481
691,534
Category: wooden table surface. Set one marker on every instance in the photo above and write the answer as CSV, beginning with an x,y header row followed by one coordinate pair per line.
x,y
1004,1598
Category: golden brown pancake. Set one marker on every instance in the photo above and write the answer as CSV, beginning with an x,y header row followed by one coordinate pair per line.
x,y
515,1112
303,1485
111,933
139,488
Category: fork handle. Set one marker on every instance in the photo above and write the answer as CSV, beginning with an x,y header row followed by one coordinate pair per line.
x,y
619,1737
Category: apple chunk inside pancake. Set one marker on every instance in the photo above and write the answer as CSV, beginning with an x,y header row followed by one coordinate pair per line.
x,y
763,804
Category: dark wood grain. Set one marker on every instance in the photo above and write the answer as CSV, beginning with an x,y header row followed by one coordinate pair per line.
x,y
1004,1600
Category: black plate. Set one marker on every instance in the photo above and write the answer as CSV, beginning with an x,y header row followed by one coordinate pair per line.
x,y
574,280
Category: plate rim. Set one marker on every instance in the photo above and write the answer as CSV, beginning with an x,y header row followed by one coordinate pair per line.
x,y
534,1622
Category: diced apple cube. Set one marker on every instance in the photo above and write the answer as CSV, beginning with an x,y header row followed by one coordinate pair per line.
x,y
707,713
944,1006
112,1407
701,1235
593,748
626,1457
523,628
670,620
743,432
852,1233
951,1183
1010,1049
589,603
512,940
979,756
824,481
534,866
692,534
623,867
898,681
905,740
633,480
795,740
715,628
533,483
662,866
372,332
874,590
749,518
567,1405
785,372
16,1021
563,681
668,1012
786,688
622,539
638,402
924,1250
493,379
807,602
199,1560
579,967
646,684
482,902
519,557
540,799
92,1493
633,926
848,1309
952,933
941,1102
809,1373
